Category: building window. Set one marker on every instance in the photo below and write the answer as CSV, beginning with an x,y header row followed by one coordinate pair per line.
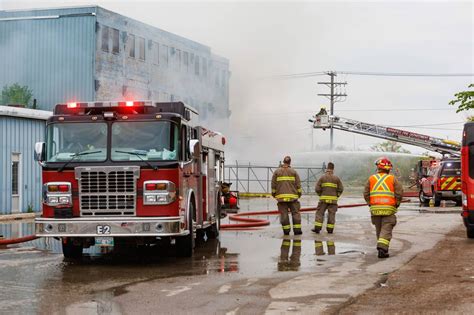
x,y
131,46
164,55
105,38
178,56
115,41
15,177
141,48
156,53
185,59
196,66
204,67
224,78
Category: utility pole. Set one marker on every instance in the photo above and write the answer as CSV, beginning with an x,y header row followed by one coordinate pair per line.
x,y
333,97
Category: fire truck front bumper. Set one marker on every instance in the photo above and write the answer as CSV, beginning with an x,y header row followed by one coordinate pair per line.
x,y
113,227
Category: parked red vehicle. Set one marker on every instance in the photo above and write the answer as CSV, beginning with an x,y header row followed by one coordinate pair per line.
x,y
443,182
467,167
133,172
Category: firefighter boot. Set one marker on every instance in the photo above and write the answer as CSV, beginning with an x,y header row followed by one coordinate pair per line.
x,y
317,227
315,230
383,253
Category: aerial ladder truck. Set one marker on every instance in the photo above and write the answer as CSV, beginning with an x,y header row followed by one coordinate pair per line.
x,y
436,180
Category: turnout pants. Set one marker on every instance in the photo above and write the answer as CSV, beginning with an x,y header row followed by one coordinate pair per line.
x,y
321,209
294,208
384,225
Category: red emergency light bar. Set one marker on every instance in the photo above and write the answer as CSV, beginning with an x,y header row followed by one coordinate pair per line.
x,y
109,104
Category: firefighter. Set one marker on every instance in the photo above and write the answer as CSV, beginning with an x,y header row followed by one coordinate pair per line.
x,y
383,193
329,187
286,189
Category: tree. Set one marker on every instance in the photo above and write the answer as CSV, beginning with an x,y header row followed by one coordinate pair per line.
x,y
464,100
16,94
389,146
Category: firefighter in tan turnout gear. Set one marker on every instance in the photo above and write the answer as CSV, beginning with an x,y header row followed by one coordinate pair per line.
x,y
286,189
329,187
383,193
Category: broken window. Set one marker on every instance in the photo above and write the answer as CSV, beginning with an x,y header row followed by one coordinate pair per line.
x,y
131,46
115,41
204,67
141,48
156,53
105,38
196,65
185,59
164,56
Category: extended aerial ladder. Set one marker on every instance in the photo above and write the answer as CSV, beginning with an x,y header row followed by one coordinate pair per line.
x,y
322,121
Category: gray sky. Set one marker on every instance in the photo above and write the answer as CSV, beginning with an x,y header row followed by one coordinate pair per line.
x,y
265,38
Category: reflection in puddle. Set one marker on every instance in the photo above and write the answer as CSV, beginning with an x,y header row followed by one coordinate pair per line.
x,y
289,262
319,248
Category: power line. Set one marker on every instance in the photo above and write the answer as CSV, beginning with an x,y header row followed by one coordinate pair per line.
x,y
362,73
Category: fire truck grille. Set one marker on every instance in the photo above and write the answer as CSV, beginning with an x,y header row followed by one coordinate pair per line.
x,y
107,191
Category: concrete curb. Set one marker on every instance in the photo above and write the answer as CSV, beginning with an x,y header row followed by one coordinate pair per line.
x,y
18,216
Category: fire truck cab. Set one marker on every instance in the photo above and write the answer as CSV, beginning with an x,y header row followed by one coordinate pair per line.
x,y
129,172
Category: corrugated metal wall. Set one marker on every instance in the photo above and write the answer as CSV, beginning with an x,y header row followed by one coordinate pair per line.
x,y
19,135
55,56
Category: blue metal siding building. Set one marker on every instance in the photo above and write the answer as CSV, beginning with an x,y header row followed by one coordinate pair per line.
x,y
50,51
90,53
20,175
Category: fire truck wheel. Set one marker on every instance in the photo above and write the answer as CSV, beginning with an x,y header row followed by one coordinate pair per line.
x,y
213,231
71,250
470,233
185,244
458,202
437,200
423,200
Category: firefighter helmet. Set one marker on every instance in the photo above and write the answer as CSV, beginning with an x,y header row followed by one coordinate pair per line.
x,y
383,163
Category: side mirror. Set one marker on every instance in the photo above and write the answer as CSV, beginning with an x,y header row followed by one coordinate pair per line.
x,y
194,148
40,151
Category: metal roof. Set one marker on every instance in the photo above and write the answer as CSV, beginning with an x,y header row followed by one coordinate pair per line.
x,y
25,112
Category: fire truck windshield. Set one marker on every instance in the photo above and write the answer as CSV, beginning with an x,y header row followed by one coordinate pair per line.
x,y
152,141
66,140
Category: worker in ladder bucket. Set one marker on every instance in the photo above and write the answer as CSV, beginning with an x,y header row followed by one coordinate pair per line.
x,y
286,189
383,193
329,187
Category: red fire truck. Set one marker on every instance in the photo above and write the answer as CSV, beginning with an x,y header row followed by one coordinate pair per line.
x,y
129,172
467,178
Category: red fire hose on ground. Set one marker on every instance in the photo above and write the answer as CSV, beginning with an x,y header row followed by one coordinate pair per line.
x,y
252,223
11,241
249,223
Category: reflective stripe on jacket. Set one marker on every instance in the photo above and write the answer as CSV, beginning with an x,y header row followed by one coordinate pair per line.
x,y
286,184
382,194
329,187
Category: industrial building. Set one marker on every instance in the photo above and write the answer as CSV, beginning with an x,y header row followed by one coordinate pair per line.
x,y
20,175
92,54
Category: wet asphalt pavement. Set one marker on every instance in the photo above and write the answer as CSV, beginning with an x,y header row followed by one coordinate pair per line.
x,y
248,272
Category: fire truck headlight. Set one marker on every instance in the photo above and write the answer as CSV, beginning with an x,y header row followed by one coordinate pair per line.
x,y
53,200
150,199
158,192
57,193
64,200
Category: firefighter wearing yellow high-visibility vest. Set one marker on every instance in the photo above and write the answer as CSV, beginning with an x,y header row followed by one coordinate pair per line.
x,y
383,193
329,187
286,188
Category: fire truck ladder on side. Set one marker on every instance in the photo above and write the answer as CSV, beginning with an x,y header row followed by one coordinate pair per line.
x,y
442,146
